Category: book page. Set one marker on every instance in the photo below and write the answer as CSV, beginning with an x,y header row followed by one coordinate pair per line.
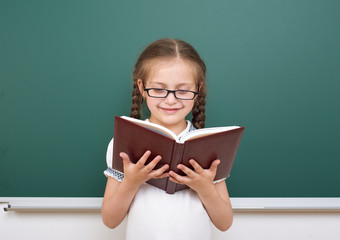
x,y
152,126
205,131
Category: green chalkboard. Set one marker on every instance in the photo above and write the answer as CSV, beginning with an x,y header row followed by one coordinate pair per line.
x,y
66,70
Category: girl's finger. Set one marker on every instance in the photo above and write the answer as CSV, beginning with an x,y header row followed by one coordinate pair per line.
x,y
143,159
153,163
186,170
174,180
159,173
214,165
125,157
196,166
163,175
180,179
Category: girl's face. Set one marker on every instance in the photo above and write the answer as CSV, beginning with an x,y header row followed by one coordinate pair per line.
x,y
170,112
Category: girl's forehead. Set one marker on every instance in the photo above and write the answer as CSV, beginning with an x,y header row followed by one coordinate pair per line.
x,y
166,63
172,83
172,72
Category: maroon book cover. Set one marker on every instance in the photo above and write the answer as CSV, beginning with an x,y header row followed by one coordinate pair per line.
x,y
135,139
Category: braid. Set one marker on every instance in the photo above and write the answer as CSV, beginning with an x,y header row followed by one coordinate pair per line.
x,y
137,100
198,111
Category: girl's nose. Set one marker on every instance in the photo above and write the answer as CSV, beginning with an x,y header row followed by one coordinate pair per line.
x,y
171,99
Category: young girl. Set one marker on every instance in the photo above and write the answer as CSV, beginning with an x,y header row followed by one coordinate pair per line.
x,y
170,77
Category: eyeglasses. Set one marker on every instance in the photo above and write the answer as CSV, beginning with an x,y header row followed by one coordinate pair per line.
x,y
163,93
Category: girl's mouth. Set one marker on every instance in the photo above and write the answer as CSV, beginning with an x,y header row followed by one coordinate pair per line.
x,y
169,110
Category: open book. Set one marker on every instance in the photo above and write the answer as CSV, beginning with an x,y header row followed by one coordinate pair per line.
x,y
135,137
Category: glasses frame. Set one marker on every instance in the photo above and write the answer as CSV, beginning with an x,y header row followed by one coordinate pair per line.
x,y
170,91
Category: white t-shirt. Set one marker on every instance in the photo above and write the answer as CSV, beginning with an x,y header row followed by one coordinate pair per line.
x,y
154,214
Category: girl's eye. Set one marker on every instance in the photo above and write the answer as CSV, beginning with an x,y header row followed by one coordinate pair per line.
x,y
158,90
183,93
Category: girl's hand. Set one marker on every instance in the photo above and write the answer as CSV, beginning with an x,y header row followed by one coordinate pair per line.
x,y
138,173
199,179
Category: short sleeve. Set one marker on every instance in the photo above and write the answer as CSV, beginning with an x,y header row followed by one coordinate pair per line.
x,y
110,172
109,154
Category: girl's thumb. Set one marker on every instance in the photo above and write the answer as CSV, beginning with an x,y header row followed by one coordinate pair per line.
x,y
215,164
125,157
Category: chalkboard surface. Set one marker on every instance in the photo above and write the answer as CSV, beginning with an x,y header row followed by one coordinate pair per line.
x,y
66,70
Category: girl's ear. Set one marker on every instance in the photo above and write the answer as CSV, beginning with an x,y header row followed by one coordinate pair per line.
x,y
141,86
200,86
199,89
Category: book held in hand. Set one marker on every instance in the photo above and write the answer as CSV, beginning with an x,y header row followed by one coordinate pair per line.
x,y
135,137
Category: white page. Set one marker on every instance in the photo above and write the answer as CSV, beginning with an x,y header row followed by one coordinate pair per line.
x,y
205,131
152,126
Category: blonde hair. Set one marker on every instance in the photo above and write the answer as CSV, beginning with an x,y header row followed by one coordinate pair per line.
x,y
165,49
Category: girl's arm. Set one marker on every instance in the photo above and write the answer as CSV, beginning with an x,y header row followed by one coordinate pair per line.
x,y
214,197
218,205
117,200
119,195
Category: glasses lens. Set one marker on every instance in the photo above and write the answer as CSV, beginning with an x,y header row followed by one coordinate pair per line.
x,y
154,92
184,94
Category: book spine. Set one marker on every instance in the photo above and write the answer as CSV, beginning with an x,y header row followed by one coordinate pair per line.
x,y
176,158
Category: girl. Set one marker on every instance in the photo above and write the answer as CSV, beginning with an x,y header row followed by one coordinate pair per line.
x,y
170,77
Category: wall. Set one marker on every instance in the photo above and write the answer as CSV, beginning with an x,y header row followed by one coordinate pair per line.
x,y
247,225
